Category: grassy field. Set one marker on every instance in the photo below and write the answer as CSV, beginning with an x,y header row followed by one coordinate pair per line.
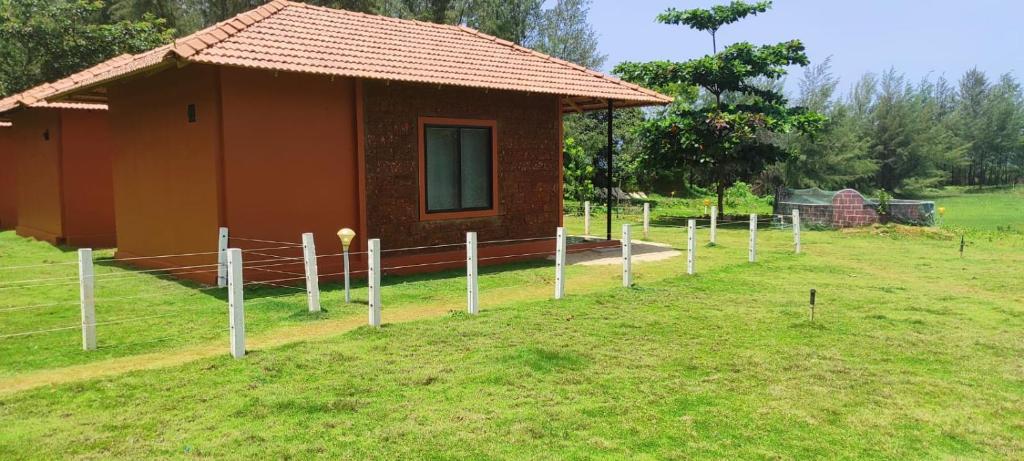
x,y
998,210
915,353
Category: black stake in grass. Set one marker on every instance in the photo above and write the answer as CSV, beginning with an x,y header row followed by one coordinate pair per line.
x,y
961,245
813,293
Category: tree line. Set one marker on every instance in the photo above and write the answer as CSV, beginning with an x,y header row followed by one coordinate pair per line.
x,y
733,122
893,134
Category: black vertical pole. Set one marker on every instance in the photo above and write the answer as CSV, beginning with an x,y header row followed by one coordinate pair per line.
x,y
608,159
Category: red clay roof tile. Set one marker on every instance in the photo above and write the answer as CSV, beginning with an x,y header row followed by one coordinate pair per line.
x,y
297,37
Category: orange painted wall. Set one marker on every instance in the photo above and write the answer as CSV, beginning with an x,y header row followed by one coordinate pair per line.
x,y
39,190
64,191
166,170
88,191
289,159
8,180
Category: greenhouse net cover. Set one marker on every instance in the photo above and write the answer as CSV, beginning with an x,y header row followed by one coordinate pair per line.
x,y
911,212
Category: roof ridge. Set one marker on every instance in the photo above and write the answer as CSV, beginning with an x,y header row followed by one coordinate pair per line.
x,y
198,41
367,15
214,45
563,62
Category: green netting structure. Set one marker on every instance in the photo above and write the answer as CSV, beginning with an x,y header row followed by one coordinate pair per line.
x,y
812,196
849,208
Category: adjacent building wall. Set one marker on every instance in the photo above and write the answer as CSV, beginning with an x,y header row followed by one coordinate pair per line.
x,y
64,195
529,152
88,190
166,169
37,141
8,180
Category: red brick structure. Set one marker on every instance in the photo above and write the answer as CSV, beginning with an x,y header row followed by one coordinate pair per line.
x,y
850,210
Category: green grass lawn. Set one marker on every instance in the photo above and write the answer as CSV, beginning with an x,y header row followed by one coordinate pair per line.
x,y
985,209
915,353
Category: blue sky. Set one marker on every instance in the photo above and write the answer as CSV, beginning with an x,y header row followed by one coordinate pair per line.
x,y
921,38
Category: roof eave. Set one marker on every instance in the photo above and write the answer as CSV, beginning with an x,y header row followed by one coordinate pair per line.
x,y
63,95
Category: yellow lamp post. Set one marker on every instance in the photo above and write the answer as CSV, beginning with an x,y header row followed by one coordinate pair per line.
x,y
346,235
942,212
707,203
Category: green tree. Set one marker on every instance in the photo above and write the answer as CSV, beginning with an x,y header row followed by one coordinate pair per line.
x,y
838,156
45,40
577,172
990,118
908,137
710,20
728,136
564,32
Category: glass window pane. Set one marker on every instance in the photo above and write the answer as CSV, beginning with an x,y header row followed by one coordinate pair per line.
x,y
442,168
476,168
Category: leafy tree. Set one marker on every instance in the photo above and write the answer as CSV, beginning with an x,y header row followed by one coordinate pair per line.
x,y
838,156
710,20
589,131
564,32
45,40
130,10
577,171
990,118
515,21
731,136
908,138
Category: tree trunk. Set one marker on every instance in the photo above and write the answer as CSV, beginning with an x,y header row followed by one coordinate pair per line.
x,y
720,190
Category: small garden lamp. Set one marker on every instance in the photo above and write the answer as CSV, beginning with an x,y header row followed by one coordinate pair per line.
x,y
707,203
346,235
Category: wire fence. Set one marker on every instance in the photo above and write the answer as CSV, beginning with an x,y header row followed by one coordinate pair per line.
x,y
277,268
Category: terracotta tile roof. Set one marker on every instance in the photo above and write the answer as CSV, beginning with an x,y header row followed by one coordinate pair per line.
x,y
297,37
36,97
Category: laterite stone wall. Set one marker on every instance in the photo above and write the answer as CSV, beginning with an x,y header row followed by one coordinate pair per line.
x,y
850,210
529,148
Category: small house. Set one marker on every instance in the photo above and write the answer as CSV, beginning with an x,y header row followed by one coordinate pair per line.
x,y
55,178
295,118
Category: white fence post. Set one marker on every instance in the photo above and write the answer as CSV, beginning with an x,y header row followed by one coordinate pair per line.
x,y
586,217
236,303
312,275
714,223
796,230
627,257
647,219
691,247
560,263
752,252
374,282
87,288
472,284
222,257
